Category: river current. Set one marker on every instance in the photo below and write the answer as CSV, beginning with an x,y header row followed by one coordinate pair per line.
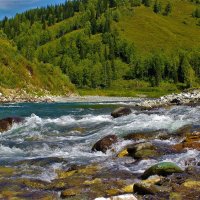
x,y
57,135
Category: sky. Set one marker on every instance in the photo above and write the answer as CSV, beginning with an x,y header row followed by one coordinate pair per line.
x,y
10,7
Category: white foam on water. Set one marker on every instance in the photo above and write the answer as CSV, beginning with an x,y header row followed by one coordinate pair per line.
x,y
190,157
50,173
143,122
6,151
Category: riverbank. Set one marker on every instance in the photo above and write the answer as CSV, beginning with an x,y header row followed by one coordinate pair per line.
x,y
62,99
190,97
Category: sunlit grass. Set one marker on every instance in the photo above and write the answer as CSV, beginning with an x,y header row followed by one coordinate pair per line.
x,y
150,31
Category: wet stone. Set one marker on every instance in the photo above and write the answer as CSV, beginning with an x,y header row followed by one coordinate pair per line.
x,y
146,188
140,151
122,111
70,193
191,141
7,123
149,135
105,143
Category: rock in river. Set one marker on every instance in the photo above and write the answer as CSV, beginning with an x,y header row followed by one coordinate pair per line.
x,y
140,151
163,169
146,188
122,111
6,124
105,143
191,141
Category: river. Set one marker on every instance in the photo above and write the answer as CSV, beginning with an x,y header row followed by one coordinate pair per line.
x,y
56,136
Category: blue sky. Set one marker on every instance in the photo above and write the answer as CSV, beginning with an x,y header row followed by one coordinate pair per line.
x,y
11,7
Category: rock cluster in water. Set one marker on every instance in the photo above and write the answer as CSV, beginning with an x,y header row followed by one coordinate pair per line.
x,y
184,98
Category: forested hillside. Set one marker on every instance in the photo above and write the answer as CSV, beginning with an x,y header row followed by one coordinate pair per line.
x,y
17,73
114,43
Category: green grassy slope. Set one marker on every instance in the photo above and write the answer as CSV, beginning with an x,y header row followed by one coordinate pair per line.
x,y
150,31
18,73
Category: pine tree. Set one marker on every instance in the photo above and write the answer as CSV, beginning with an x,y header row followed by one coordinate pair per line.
x,y
147,3
157,7
196,13
168,9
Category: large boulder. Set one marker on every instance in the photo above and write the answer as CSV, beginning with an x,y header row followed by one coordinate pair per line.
x,y
6,124
162,169
122,111
105,143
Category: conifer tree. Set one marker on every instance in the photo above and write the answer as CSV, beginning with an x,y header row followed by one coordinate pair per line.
x,y
168,9
157,7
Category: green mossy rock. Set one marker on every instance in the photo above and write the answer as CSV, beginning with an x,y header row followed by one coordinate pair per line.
x,y
163,169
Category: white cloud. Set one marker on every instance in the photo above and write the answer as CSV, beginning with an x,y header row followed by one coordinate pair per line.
x,y
10,4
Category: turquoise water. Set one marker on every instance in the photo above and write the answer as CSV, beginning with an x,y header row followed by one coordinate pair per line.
x,y
57,135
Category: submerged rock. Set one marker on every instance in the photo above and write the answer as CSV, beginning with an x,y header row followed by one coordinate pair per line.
x,y
41,161
191,141
162,135
70,193
140,146
142,150
6,171
34,183
145,153
139,151
146,188
163,169
84,170
183,131
6,124
122,111
105,143
120,197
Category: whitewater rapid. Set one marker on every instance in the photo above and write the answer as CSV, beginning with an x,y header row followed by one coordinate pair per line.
x,y
68,131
